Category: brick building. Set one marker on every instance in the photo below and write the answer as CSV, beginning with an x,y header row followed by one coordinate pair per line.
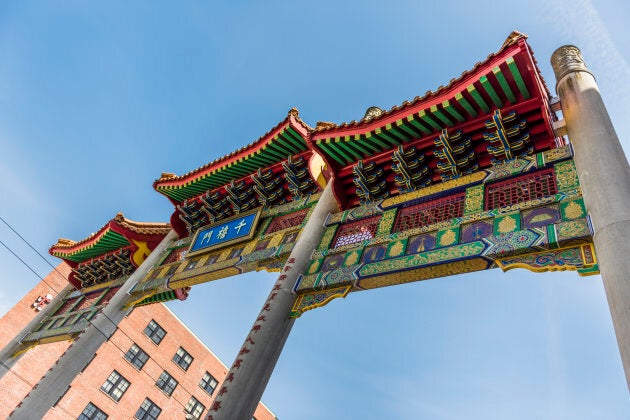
x,y
153,366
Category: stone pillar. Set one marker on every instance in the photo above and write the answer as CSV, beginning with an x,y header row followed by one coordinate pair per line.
x,y
7,354
55,383
604,175
246,381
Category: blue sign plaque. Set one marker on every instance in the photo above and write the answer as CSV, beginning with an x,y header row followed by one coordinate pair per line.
x,y
234,230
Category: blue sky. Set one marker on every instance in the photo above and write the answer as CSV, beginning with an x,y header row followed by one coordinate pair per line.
x,y
96,100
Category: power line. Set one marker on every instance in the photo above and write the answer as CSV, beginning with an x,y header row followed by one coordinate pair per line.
x,y
89,321
38,253
28,243
27,266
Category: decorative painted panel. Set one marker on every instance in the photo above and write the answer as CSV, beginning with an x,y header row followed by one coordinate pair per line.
x,y
525,212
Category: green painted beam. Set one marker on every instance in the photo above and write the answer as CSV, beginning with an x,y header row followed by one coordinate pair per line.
x,y
233,173
438,113
296,143
505,87
384,135
367,144
369,137
291,143
247,164
336,146
397,133
181,195
485,83
297,137
264,158
276,155
357,146
195,189
284,148
427,119
354,153
175,195
409,129
416,123
518,78
452,111
272,153
330,152
466,105
209,180
478,99
109,242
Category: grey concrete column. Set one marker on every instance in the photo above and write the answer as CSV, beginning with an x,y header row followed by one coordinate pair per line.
x,y
604,175
246,381
55,383
7,358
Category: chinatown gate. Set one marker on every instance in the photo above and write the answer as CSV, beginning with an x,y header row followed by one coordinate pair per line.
x,y
480,174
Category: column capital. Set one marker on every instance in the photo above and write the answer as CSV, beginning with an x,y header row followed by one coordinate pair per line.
x,y
567,59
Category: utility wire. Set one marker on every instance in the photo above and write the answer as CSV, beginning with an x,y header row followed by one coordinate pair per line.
x,y
89,321
27,266
37,252
28,243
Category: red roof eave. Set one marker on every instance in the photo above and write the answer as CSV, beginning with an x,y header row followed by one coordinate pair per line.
x,y
84,243
419,104
290,121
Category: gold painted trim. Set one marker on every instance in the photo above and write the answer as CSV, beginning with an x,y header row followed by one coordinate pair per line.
x,y
296,311
434,189
528,267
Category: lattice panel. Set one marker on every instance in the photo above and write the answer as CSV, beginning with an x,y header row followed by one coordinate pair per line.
x,y
287,221
88,301
66,305
351,233
111,292
175,255
431,212
526,187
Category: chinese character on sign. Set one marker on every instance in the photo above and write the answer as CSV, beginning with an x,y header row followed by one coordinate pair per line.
x,y
223,232
238,227
241,228
206,237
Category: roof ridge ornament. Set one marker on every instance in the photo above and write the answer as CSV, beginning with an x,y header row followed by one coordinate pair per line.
x,y
512,38
324,124
372,112
65,242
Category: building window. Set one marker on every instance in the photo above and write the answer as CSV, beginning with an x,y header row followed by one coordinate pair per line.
x,y
182,358
92,412
148,410
194,408
115,386
154,332
166,383
208,383
136,356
